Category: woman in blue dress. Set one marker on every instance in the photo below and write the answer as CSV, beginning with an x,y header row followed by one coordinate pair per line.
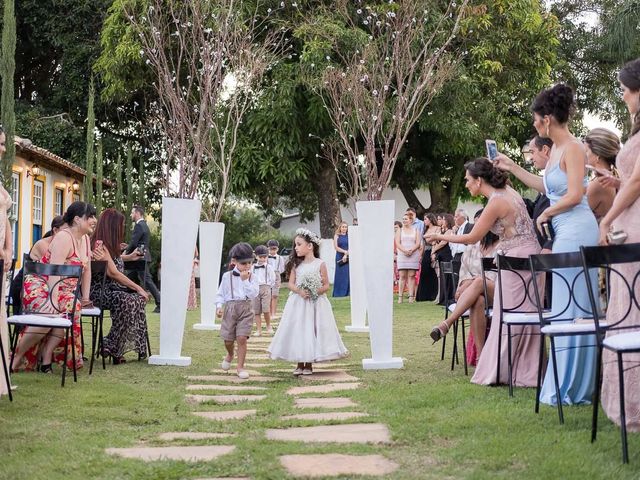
x,y
341,244
574,224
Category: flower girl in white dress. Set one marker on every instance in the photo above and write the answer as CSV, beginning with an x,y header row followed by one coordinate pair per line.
x,y
308,331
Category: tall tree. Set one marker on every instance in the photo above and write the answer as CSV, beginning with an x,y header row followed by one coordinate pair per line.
x,y
118,200
89,160
7,70
99,176
141,181
206,60
398,56
129,175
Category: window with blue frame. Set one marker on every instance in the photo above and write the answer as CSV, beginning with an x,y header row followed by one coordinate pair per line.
x,y
38,195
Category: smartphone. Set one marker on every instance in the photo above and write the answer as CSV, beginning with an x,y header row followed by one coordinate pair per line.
x,y
546,230
492,149
617,238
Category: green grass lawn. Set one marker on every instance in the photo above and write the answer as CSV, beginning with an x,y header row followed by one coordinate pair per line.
x,y
442,425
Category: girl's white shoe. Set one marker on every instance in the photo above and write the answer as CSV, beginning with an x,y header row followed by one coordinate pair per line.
x,y
225,365
243,374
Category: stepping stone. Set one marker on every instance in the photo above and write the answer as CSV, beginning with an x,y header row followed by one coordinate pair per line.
x,y
346,433
336,376
237,388
219,371
334,464
222,399
229,378
329,402
226,414
258,365
321,365
189,454
169,436
325,416
258,356
329,387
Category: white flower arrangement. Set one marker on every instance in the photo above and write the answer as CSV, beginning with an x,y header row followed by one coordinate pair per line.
x,y
311,282
303,232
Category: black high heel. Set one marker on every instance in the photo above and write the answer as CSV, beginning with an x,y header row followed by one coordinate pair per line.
x,y
45,368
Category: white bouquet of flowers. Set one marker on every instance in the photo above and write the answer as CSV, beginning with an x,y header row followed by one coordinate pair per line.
x,y
311,282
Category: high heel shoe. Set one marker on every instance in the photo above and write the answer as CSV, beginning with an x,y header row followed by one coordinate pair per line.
x,y
412,299
399,298
438,332
45,368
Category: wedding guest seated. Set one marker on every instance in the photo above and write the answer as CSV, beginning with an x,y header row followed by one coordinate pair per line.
x,y
41,345
39,249
124,298
470,292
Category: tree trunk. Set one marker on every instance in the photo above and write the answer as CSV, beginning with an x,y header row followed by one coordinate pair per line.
x,y
324,184
410,195
440,197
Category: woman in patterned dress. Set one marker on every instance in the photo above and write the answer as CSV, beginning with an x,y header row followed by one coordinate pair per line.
x,y
69,247
124,298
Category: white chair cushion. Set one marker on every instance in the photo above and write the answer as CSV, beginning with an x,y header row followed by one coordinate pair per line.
x,y
91,312
623,341
39,320
452,307
571,328
528,317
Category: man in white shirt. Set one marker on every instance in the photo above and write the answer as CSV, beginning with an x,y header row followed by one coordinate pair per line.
x,y
415,221
463,226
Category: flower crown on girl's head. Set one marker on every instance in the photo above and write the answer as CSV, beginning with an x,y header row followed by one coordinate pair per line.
x,y
309,235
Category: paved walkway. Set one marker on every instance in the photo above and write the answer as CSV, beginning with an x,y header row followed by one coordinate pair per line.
x,y
335,420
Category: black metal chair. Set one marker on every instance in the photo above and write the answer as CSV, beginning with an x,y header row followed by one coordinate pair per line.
x,y
96,313
621,339
9,276
450,277
562,321
522,314
5,367
57,316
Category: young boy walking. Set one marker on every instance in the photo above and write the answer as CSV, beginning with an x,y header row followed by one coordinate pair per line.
x,y
277,263
237,289
263,273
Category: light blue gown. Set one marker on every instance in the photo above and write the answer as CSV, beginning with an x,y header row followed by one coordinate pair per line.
x,y
576,366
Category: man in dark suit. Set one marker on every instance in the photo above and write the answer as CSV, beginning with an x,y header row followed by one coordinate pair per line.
x,y
537,153
140,240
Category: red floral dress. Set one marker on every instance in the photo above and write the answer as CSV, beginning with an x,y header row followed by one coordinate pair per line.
x,y
35,293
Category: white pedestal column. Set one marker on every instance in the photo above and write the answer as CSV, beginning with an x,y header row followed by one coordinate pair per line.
x,y
328,256
180,218
211,238
356,283
376,229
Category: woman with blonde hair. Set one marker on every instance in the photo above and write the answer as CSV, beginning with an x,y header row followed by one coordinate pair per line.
x,y
602,147
341,244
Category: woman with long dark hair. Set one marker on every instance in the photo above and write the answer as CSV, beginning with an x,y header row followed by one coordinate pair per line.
x,y
441,252
505,215
124,298
428,284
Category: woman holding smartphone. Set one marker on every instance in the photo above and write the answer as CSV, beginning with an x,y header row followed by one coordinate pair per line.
x,y
574,224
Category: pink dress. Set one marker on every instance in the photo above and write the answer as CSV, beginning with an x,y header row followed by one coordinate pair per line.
x,y
5,205
629,221
408,240
517,239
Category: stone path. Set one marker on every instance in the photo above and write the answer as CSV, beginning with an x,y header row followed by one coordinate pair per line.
x,y
339,412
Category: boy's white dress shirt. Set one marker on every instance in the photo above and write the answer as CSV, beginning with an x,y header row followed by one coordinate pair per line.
x,y
242,289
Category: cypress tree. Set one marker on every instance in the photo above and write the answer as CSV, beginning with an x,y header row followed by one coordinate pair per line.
x,y
129,174
118,202
141,181
99,176
7,70
91,127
